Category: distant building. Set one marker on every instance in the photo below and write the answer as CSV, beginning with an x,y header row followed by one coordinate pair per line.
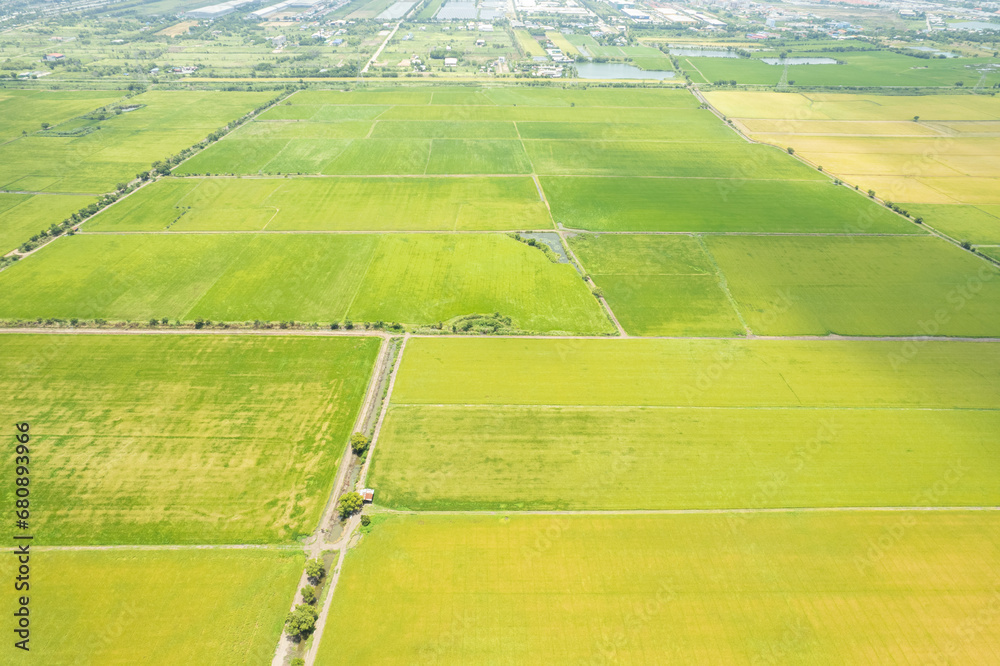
x,y
367,495
451,62
53,57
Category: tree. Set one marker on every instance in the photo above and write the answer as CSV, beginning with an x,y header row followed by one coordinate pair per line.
x,y
315,571
301,622
359,443
309,595
298,661
349,504
916,118
791,151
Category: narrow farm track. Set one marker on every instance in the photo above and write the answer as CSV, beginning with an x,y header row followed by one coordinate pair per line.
x,y
671,512
126,547
353,523
317,543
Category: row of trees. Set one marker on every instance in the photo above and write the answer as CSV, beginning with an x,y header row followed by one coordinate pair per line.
x,y
301,621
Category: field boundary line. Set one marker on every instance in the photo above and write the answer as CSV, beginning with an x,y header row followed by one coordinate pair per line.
x,y
583,406
681,512
833,337
222,546
723,283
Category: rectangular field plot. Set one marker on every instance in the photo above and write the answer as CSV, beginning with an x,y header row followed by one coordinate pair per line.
x,y
686,425
666,204
25,110
859,286
654,158
976,224
700,373
333,204
843,106
414,279
506,131
153,607
114,149
24,215
658,285
686,589
182,439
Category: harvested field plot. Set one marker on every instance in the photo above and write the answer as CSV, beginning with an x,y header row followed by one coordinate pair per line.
x,y
332,204
688,589
863,139
95,160
686,424
182,439
419,279
859,286
658,285
153,607
666,204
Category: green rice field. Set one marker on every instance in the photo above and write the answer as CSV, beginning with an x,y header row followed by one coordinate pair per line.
x,y
24,215
408,278
772,588
155,607
687,424
496,131
182,439
106,152
658,285
668,204
977,224
859,286
333,204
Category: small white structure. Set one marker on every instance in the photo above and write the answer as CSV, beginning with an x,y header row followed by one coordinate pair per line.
x,y
367,495
451,62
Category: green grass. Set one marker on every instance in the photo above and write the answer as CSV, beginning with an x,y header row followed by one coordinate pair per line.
x,y
415,279
658,285
663,204
789,588
182,439
124,145
311,204
700,373
991,251
155,607
972,223
859,286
